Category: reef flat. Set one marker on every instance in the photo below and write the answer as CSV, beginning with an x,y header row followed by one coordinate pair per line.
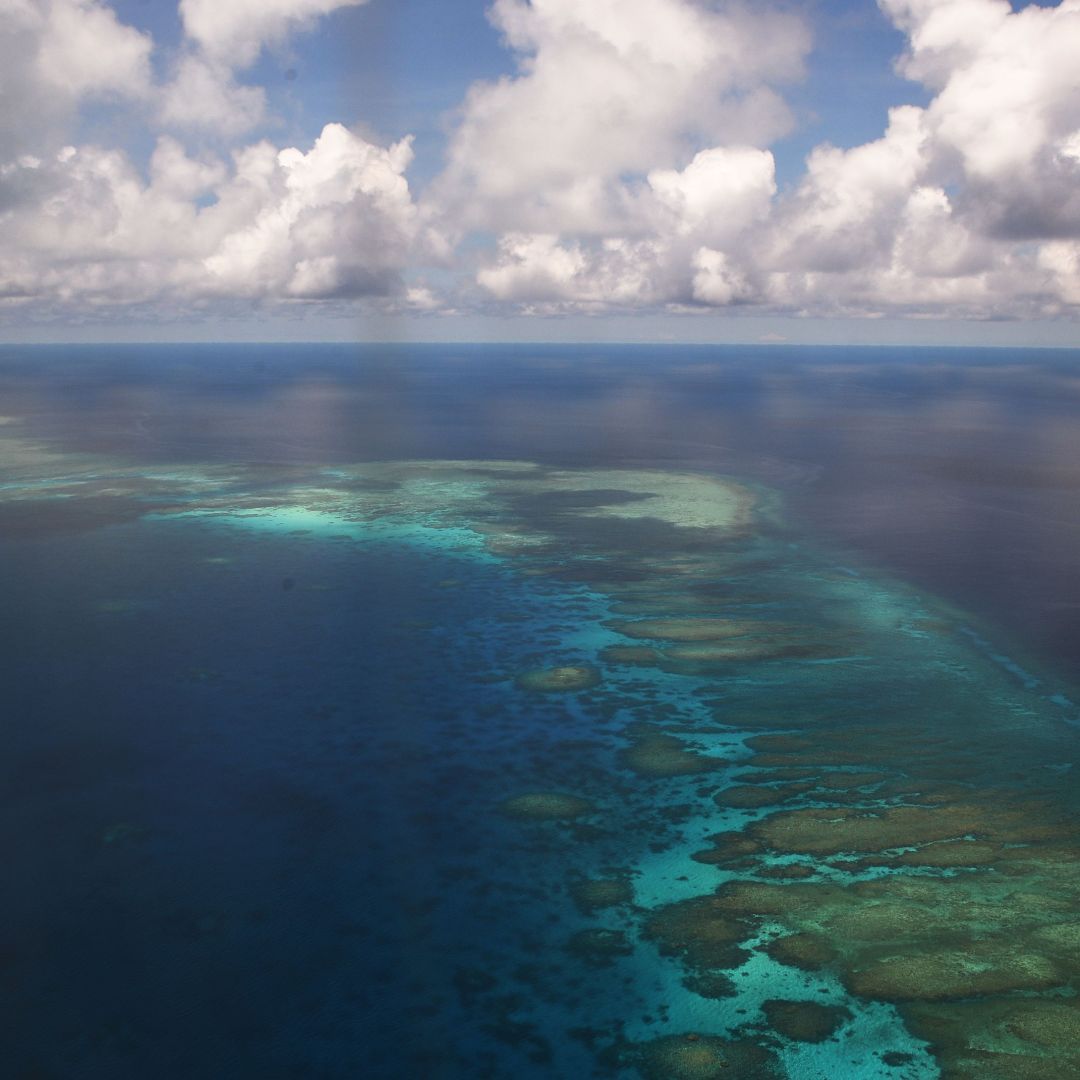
x,y
669,792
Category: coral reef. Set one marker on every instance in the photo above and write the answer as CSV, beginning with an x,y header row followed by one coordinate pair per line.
x,y
914,825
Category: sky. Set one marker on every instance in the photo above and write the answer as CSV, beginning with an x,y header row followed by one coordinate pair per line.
x,y
822,171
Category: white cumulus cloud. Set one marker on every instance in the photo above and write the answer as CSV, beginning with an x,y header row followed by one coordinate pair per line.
x,y
235,31
338,220
55,54
85,225
607,89
84,49
204,94
335,221
1007,106
969,206
223,38
626,163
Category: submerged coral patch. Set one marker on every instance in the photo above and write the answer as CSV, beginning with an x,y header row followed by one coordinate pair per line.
x,y
547,806
702,1057
641,655
804,1021
1011,1039
599,945
688,630
951,853
711,984
564,679
699,932
725,847
655,754
809,952
832,831
594,893
981,968
752,797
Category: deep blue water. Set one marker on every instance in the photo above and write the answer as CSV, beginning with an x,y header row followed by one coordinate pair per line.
x,y
253,767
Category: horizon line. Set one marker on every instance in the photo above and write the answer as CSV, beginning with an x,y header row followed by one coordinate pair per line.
x,y
537,343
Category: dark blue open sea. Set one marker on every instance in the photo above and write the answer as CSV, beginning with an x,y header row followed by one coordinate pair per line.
x,y
462,712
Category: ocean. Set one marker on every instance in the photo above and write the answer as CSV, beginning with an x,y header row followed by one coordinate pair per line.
x,y
539,711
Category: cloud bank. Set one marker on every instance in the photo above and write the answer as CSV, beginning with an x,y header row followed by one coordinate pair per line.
x,y
624,165
968,206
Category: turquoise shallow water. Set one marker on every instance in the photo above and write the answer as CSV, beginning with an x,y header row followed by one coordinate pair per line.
x,y
284,798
